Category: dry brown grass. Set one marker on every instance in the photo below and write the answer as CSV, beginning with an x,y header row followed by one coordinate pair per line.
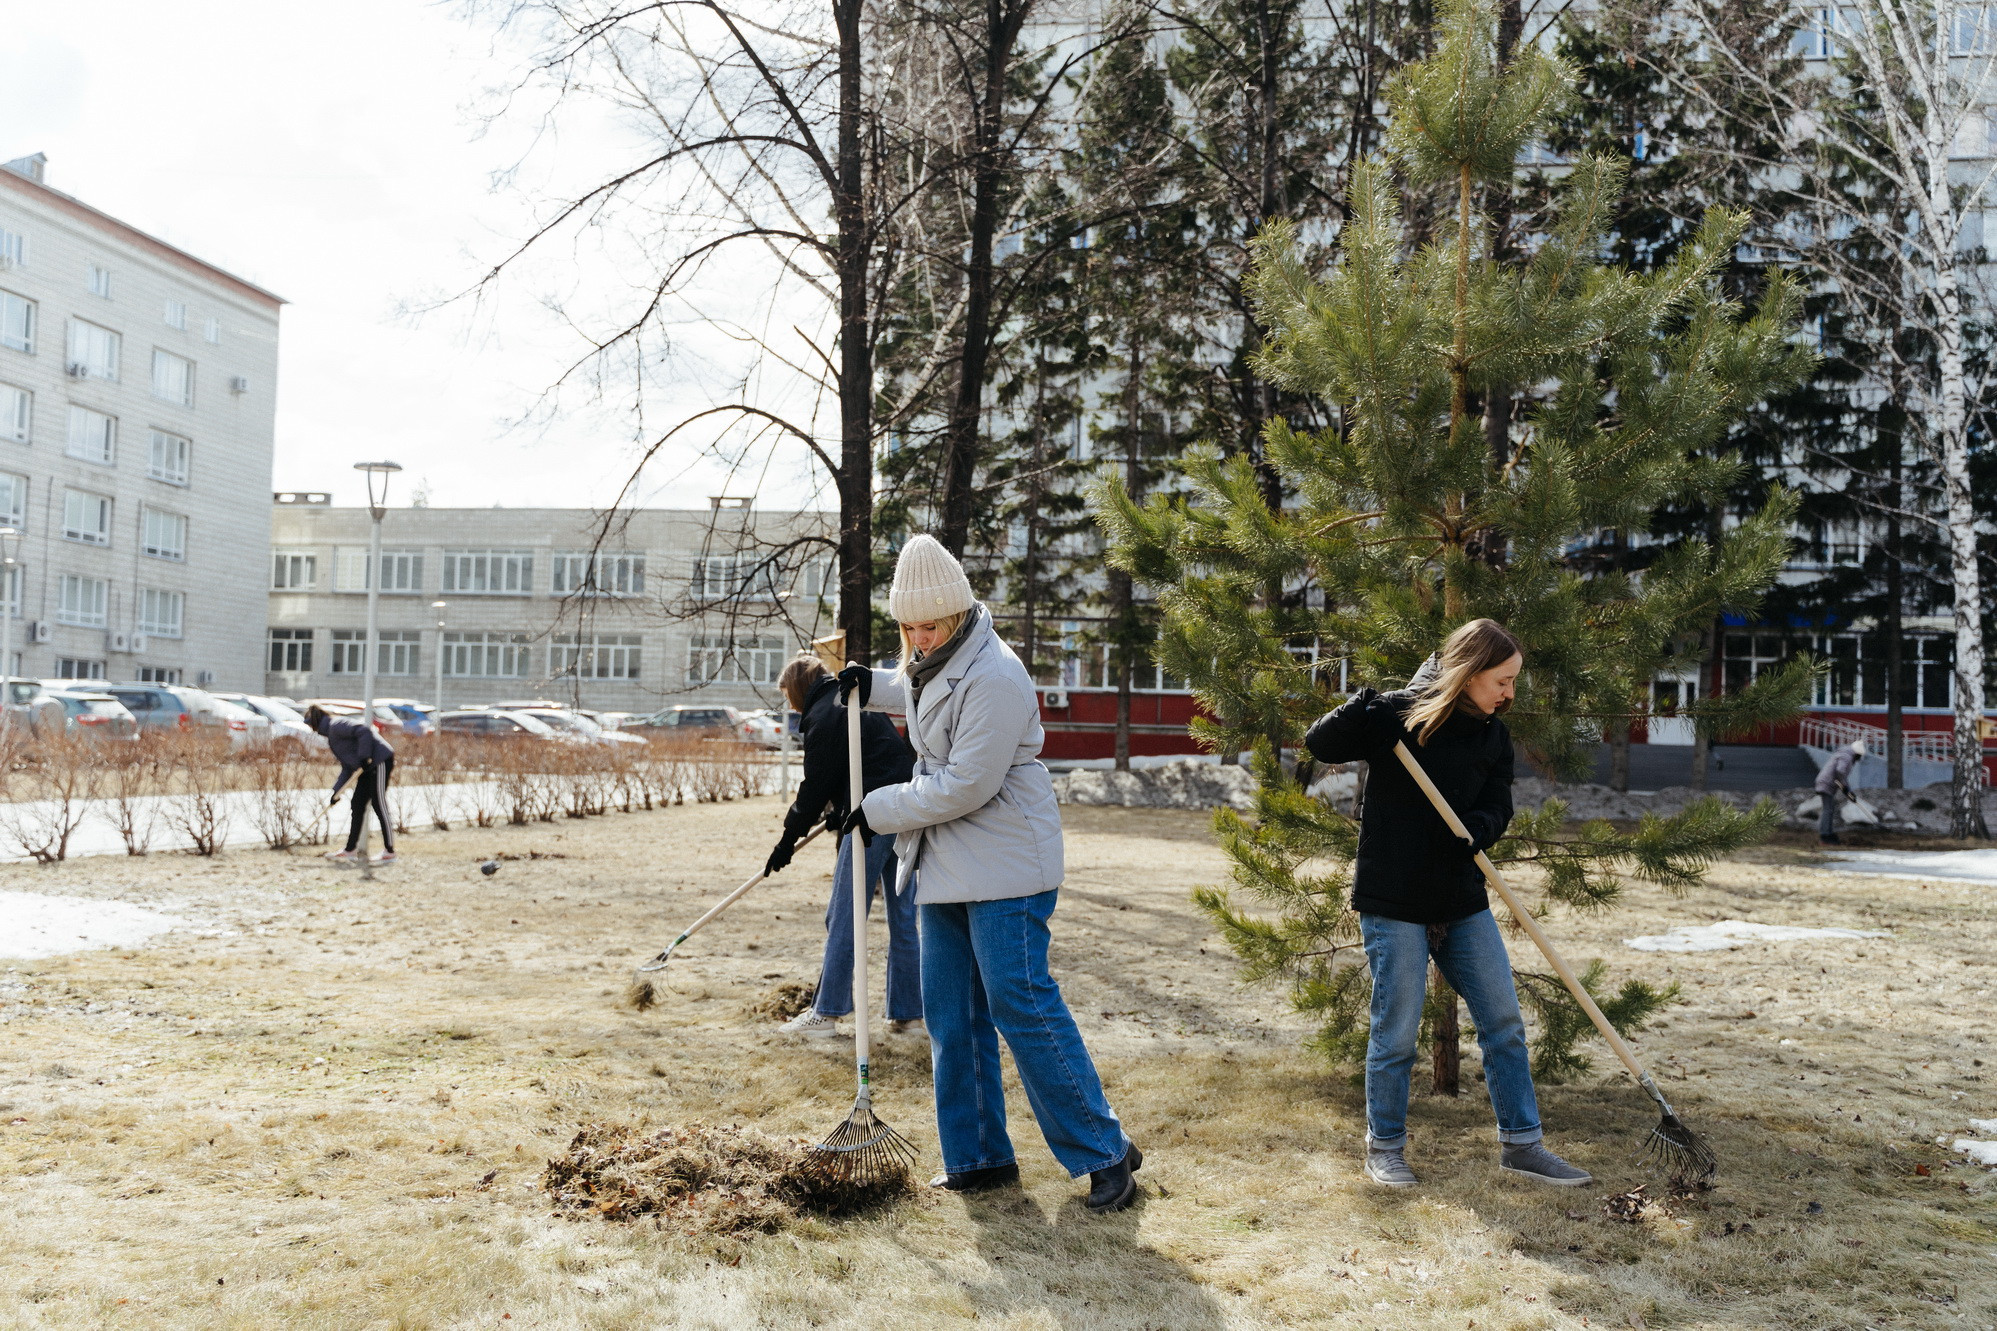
x,y
331,1104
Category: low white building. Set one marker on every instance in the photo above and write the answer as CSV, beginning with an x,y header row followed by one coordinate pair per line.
x,y
655,607
138,387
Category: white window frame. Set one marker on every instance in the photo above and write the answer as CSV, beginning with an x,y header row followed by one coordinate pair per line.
x,y
13,249
402,571
290,651
162,613
488,655
17,322
163,533
293,570
598,573
167,457
91,436
77,520
211,330
174,314
99,281
596,656
489,572
11,582
728,577
159,674
82,601
717,658
73,667
13,500
173,378
17,414
398,652
348,653
93,351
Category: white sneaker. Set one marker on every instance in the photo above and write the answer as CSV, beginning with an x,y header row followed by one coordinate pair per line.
x,y
911,1027
341,855
388,858
809,1023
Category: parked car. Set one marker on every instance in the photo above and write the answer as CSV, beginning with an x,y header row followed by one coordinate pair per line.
x,y
177,707
415,716
97,715
387,721
486,724
762,728
285,722
29,705
704,722
573,725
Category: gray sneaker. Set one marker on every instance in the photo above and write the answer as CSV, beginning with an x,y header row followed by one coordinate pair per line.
x,y
1389,1167
1533,1160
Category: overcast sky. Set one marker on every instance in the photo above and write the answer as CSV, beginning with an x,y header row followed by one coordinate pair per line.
x,y
334,155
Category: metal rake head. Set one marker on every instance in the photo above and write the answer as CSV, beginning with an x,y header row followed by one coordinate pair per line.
x,y
1680,1151
862,1151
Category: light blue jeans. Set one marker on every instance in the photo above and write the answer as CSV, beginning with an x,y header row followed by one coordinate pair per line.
x,y
1472,958
835,973
984,974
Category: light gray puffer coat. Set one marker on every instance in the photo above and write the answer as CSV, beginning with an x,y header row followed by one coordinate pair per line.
x,y
978,821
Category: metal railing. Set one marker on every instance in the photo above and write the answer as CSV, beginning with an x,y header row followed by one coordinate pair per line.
x,y
1835,732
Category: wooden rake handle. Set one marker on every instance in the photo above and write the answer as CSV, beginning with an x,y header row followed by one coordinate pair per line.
x,y
1525,919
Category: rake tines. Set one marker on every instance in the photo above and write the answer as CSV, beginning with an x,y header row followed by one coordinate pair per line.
x,y
1682,1152
862,1151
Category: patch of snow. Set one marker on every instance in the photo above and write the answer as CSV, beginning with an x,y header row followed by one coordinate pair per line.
x,y
1983,1153
1978,866
33,925
1986,1126
1736,933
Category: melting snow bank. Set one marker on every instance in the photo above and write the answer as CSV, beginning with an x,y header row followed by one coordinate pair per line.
x,y
1736,933
1983,1153
33,925
1978,866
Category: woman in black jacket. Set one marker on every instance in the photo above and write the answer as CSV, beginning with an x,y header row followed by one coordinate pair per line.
x,y
885,760
358,748
1419,892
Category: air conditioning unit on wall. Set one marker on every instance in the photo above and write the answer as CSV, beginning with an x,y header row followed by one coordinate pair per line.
x,y
204,678
1055,698
117,642
40,631
138,642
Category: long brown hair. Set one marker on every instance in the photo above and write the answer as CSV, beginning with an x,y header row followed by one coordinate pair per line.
x,y
799,674
1471,650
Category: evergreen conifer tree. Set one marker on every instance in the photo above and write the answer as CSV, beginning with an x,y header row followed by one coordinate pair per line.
x,y
1387,545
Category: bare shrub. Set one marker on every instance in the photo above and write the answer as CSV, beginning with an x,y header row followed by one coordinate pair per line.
x,y
198,806
134,776
59,775
278,780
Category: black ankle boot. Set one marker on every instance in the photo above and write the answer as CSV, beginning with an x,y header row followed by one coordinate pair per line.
x,y
978,1180
1113,1189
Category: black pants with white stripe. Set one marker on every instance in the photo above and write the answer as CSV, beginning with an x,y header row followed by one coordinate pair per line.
x,y
368,792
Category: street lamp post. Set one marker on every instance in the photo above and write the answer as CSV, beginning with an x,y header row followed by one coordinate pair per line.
x,y
10,600
440,607
378,473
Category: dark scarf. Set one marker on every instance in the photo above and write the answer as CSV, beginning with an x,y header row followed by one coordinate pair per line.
x,y
926,666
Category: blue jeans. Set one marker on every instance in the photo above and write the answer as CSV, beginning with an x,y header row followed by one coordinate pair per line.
x,y
1472,958
835,973
984,974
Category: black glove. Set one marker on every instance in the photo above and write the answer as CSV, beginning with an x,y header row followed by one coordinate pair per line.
x,y
1383,722
781,855
856,676
856,821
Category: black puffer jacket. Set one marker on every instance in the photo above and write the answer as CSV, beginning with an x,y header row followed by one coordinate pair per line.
x,y
885,757
1411,866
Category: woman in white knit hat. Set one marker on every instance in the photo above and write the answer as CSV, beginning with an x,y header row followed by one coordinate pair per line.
x,y
979,841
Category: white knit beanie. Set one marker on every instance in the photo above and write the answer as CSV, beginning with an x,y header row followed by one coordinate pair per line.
x,y
929,583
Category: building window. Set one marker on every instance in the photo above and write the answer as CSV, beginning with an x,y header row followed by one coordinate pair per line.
x,y
744,577
486,655
163,535
70,667
159,674
718,659
161,612
166,457
175,315
17,414
173,378
489,572
93,351
349,654
594,656
291,651
600,573
86,517
293,570
211,329
17,322
401,571
13,500
10,594
395,652
100,281
93,436
82,601
13,249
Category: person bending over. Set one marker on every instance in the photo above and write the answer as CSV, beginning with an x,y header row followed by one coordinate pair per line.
x,y
1420,894
357,748
885,758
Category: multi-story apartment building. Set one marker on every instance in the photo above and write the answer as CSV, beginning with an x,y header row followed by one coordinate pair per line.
x,y
659,606
137,388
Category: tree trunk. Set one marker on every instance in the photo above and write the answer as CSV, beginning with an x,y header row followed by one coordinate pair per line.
x,y
856,370
1896,721
1446,1063
1619,754
1121,584
1702,743
988,171
1029,564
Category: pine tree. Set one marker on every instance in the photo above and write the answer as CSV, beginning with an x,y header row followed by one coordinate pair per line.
x,y
1400,499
